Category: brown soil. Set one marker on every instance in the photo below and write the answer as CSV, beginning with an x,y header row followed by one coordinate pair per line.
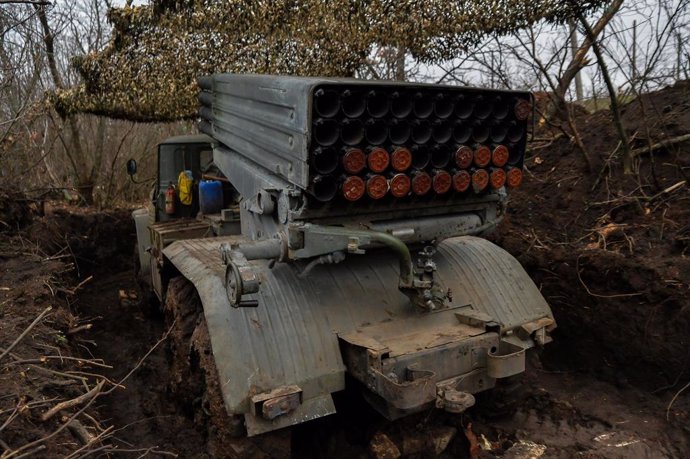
x,y
148,415
27,284
610,254
50,364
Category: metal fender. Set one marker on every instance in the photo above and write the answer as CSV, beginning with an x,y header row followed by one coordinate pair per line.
x,y
289,344
490,279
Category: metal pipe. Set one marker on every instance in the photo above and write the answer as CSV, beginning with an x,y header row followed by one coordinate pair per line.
x,y
463,107
401,105
461,132
377,104
266,249
375,131
324,160
499,132
398,246
399,132
324,188
501,108
353,103
482,107
423,105
480,132
440,156
421,131
441,131
414,230
326,102
326,131
351,131
515,132
392,242
362,238
420,156
443,105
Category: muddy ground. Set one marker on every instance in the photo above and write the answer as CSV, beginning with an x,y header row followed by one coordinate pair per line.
x,y
609,251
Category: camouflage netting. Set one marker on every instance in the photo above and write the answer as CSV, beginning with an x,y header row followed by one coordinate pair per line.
x,y
148,71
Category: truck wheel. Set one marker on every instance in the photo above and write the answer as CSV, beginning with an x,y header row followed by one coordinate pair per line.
x,y
194,377
148,301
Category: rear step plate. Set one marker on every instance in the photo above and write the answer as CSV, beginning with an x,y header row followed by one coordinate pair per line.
x,y
402,360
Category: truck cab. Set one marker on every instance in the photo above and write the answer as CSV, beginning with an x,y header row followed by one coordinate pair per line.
x,y
192,153
157,226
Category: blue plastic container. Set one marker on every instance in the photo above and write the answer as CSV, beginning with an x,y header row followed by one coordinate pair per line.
x,y
210,196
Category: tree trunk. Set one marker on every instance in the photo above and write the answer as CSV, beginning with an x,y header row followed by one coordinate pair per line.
x,y
579,93
85,190
73,149
615,111
400,64
579,59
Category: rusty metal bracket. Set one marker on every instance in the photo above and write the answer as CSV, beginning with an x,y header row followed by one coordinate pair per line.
x,y
450,398
468,316
507,360
416,390
240,279
454,401
277,402
538,330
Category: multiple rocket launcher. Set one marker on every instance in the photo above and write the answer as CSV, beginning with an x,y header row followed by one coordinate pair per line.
x,y
413,143
375,141
332,167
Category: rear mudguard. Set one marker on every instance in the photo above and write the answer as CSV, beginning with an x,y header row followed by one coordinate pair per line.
x,y
292,346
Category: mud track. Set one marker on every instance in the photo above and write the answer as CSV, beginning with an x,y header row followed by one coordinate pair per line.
x,y
173,402
570,406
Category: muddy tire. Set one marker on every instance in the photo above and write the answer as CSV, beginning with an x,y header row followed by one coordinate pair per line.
x,y
194,377
148,301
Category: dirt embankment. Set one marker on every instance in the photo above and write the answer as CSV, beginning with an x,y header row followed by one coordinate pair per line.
x,y
611,254
610,251
49,382
31,382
